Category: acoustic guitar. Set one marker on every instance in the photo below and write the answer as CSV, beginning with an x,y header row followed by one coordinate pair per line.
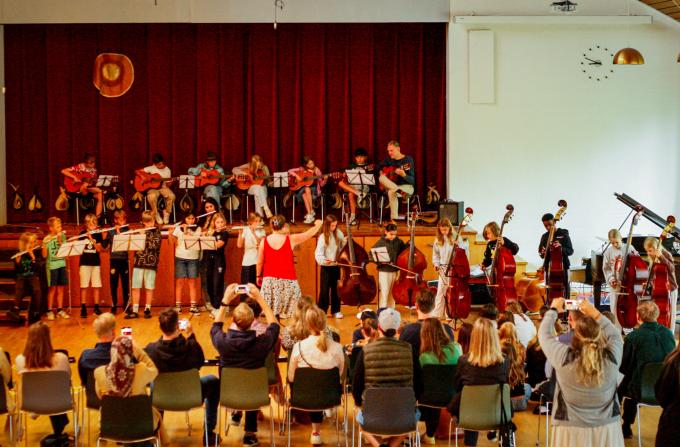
x,y
210,177
245,181
307,179
79,186
145,181
391,172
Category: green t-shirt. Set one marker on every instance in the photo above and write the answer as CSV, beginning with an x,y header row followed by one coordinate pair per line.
x,y
452,352
53,262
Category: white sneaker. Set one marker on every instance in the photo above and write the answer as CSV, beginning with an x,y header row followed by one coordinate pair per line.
x,y
315,439
64,315
338,315
159,219
309,218
50,315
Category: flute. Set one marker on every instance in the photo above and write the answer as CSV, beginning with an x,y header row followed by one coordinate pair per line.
x,y
99,230
47,240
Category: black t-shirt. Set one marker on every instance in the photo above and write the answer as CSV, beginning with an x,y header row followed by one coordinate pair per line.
x,y
90,255
26,267
218,254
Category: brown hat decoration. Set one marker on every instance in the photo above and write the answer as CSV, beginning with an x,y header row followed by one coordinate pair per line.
x,y
113,74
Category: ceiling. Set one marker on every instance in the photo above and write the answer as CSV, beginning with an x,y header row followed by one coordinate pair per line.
x,y
669,7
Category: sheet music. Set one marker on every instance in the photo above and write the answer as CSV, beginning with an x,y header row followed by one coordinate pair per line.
x,y
104,181
476,271
187,181
129,242
74,248
280,180
381,255
200,243
359,177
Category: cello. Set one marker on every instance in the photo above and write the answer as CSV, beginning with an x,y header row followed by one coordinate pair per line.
x,y
503,268
411,263
657,279
631,275
355,286
555,274
458,297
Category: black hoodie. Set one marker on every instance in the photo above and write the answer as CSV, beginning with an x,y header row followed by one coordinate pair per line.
x,y
243,349
178,354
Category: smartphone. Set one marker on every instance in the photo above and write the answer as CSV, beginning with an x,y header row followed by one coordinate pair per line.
x,y
183,324
571,304
242,288
126,332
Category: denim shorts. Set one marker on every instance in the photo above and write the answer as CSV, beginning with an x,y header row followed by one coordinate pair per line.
x,y
186,268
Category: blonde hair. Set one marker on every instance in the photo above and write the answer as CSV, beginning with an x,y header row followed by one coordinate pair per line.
x,y
147,216
255,163
648,311
26,239
589,346
615,234
485,347
516,309
215,217
296,327
53,220
243,316
90,218
315,320
104,324
439,237
253,218
515,352
651,242
493,227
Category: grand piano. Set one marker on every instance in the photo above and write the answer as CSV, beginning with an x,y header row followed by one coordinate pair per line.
x,y
594,273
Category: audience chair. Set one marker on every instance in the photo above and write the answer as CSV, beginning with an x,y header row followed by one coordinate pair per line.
x,y
438,389
543,401
127,420
273,380
92,402
179,391
47,393
5,398
390,412
315,390
650,374
245,390
480,407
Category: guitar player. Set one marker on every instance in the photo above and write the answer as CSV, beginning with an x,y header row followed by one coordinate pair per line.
x,y
159,168
397,176
214,175
83,175
249,173
308,193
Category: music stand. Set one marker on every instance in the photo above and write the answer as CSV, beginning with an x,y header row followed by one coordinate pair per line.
x,y
74,248
187,181
200,243
280,180
359,177
129,242
381,255
105,181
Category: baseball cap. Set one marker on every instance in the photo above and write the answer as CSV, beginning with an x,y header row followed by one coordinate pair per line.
x,y
389,319
210,156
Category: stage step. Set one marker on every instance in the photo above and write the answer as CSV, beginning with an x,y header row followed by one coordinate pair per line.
x,y
6,303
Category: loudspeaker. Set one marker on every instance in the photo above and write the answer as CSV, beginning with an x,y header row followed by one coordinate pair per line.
x,y
452,211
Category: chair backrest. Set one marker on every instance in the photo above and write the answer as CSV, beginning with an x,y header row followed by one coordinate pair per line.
x,y
389,411
480,406
353,356
3,399
650,375
270,364
244,389
126,418
177,391
438,387
46,392
316,389
92,400
10,385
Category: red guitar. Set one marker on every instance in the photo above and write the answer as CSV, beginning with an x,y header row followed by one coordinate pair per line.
x,y
245,181
308,178
211,177
79,186
145,181
390,172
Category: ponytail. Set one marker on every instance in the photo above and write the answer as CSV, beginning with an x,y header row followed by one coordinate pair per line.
x,y
589,345
322,342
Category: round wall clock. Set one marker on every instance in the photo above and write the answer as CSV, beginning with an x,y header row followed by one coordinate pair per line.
x,y
597,63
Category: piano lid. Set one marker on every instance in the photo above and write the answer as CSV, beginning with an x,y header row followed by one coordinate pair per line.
x,y
647,213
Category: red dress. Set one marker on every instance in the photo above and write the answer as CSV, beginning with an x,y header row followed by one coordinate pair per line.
x,y
280,288
279,263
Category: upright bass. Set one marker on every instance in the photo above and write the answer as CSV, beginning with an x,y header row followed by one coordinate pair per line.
x,y
355,287
458,298
555,274
412,264
657,285
503,268
631,275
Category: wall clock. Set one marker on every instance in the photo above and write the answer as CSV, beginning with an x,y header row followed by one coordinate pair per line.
x,y
597,63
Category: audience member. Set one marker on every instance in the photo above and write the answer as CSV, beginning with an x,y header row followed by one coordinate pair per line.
x,y
504,317
586,410
436,348
6,374
484,364
649,343
258,325
464,334
295,329
526,329
360,333
90,359
535,363
39,355
386,362
489,311
241,347
516,354
668,395
173,352
317,351
411,332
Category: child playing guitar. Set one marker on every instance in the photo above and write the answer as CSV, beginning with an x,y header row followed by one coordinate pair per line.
x,y
156,180
211,174
254,176
302,175
354,191
80,177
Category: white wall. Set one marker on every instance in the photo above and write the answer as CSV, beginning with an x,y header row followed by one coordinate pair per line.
x,y
552,133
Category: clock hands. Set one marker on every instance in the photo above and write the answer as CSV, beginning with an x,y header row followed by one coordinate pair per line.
x,y
592,62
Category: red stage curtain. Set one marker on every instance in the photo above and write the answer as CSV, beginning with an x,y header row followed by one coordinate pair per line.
x,y
317,89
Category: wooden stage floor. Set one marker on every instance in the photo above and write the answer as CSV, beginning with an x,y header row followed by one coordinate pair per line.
x,y
77,334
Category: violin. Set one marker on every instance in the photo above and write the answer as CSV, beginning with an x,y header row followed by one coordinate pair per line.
x,y
411,263
631,275
657,279
355,287
458,296
555,274
503,268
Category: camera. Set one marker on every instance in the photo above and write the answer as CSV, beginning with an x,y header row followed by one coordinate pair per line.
x,y
571,304
242,288
126,332
183,324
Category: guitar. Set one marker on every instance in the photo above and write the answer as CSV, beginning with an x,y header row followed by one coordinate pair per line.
x,y
308,178
245,181
79,186
390,172
210,177
145,181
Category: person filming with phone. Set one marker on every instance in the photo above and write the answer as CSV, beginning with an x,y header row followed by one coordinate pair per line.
x,y
178,350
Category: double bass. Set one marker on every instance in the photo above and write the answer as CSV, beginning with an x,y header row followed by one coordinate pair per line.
x,y
355,287
657,280
555,274
503,268
411,263
631,275
458,297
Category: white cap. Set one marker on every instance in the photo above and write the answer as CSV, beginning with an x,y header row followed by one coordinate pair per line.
x,y
389,319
